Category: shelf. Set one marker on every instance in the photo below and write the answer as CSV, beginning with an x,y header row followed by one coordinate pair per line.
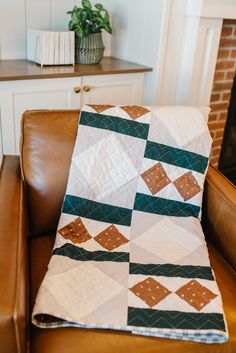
x,y
27,70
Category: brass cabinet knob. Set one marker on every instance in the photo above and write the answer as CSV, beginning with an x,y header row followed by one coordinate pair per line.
x,y
87,88
77,89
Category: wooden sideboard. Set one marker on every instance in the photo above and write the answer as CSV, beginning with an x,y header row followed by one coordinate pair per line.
x,y
25,85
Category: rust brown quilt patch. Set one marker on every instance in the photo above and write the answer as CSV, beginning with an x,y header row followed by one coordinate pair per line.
x,y
100,108
156,178
75,231
135,111
195,294
110,238
150,291
187,186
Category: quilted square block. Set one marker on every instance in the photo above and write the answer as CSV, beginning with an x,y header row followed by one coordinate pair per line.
x,y
195,294
187,186
150,291
75,231
111,238
155,178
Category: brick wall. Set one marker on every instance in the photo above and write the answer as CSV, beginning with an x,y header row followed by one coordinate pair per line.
x,y
222,84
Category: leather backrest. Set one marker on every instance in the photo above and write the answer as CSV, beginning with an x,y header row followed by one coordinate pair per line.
x,y
47,141
219,214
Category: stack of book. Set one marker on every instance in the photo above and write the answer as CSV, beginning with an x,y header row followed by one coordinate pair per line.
x,y
51,47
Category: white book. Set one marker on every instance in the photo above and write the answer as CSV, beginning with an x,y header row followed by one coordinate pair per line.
x,y
35,45
72,47
45,48
56,48
67,48
50,47
61,48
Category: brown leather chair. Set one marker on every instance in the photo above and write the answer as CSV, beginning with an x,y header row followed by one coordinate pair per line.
x,y
31,194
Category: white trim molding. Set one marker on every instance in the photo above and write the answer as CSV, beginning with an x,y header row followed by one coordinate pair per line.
x,y
191,52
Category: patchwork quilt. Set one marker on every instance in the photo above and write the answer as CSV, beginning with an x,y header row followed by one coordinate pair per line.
x,y
130,253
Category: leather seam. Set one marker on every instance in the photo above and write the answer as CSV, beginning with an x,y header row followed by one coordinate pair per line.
x,y
15,316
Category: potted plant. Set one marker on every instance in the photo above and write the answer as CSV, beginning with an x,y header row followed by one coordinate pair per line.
x,y
87,22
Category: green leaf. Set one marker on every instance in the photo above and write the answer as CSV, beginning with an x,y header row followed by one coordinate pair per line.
x,y
74,17
106,16
86,3
79,32
99,7
71,25
108,28
84,15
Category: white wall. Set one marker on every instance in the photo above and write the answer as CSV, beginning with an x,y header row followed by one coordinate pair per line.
x,y
137,26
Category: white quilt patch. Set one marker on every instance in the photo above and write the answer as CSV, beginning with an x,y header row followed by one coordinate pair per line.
x,y
115,170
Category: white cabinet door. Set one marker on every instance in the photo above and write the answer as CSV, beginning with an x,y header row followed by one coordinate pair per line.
x,y
18,96
59,93
116,89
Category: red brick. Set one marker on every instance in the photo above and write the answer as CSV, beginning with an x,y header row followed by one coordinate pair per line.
x,y
215,97
219,133
212,117
230,75
216,125
228,42
215,152
219,76
222,116
223,53
219,106
217,143
219,86
226,31
233,54
226,96
225,64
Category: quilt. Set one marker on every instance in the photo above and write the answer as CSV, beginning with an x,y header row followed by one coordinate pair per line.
x,y
130,253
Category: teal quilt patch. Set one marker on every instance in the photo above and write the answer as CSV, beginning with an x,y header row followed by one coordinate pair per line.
x,y
170,270
158,205
179,320
176,156
98,211
80,254
116,124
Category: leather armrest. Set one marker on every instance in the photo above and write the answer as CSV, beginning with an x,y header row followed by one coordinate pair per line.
x,y
219,214
13,275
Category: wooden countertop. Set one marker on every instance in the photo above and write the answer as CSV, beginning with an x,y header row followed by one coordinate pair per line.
x,y
27,70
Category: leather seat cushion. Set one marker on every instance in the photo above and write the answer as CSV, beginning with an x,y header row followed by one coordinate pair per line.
x,y
75,340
